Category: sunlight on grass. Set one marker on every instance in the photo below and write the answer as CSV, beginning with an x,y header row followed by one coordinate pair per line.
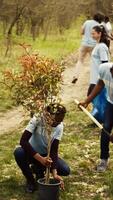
x,y
79,148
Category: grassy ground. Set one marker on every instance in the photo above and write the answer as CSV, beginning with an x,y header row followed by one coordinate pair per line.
x,y
79,147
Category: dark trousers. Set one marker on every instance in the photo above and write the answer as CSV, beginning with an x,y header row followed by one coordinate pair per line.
x,y
26,162
108,125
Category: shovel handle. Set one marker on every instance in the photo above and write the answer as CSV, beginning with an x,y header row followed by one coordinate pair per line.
x,y
89,114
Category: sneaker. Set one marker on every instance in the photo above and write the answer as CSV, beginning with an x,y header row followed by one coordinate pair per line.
x,y
30,187
74,80
102,165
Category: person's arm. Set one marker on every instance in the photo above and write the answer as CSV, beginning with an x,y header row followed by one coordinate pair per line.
x,y
54,153
57,177
109,30
43,160
54,157
24,142
97,89
110,36
82,30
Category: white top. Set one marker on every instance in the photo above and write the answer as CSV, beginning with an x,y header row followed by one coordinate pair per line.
x,y
105,75
109,27
100,53
87,37
39,139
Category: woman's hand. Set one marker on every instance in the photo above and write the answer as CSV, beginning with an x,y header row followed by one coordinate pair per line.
x,y
59,178
43,160
84,104
46,161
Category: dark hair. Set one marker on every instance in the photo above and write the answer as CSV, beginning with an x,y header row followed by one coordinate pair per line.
x,y
104,36
106,19
99,17
57,109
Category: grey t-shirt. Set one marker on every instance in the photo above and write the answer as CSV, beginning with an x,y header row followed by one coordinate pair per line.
x,y
105,75
39,139
87,38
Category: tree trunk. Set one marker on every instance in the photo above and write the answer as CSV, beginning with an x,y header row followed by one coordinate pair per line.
x,y
19,27
5,25
33,32
46,29
9,33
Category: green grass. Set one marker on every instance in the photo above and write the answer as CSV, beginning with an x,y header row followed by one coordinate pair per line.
x,y
80,149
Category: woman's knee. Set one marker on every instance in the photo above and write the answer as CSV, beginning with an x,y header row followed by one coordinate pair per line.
x,y
63,168
19,153
66,171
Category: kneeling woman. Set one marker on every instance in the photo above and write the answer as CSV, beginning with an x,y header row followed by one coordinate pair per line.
x,y
100,54
31,156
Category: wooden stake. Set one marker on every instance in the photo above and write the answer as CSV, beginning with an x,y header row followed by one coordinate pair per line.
x,y
89,114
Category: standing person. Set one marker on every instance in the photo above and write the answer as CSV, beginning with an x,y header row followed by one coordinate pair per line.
x,y
108,28
108,25
100,54
31,156
105,80
88,43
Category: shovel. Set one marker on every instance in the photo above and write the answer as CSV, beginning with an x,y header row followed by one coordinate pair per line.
x,y
91,117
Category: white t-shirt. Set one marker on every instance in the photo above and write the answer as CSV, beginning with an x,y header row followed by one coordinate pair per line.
x,y
100,53
39,139
87,37
109,27
105,75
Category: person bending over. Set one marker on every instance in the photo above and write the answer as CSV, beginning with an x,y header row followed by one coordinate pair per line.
x,y
105,80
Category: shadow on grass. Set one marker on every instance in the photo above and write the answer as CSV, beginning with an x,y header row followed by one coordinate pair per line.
x,y
12,189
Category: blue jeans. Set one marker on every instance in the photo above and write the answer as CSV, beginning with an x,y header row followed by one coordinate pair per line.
x,y
108,125
25,162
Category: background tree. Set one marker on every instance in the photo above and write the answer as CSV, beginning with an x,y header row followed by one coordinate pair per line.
x,y
44,16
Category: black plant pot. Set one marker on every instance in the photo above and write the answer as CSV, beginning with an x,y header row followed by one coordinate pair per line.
x,y
48,191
